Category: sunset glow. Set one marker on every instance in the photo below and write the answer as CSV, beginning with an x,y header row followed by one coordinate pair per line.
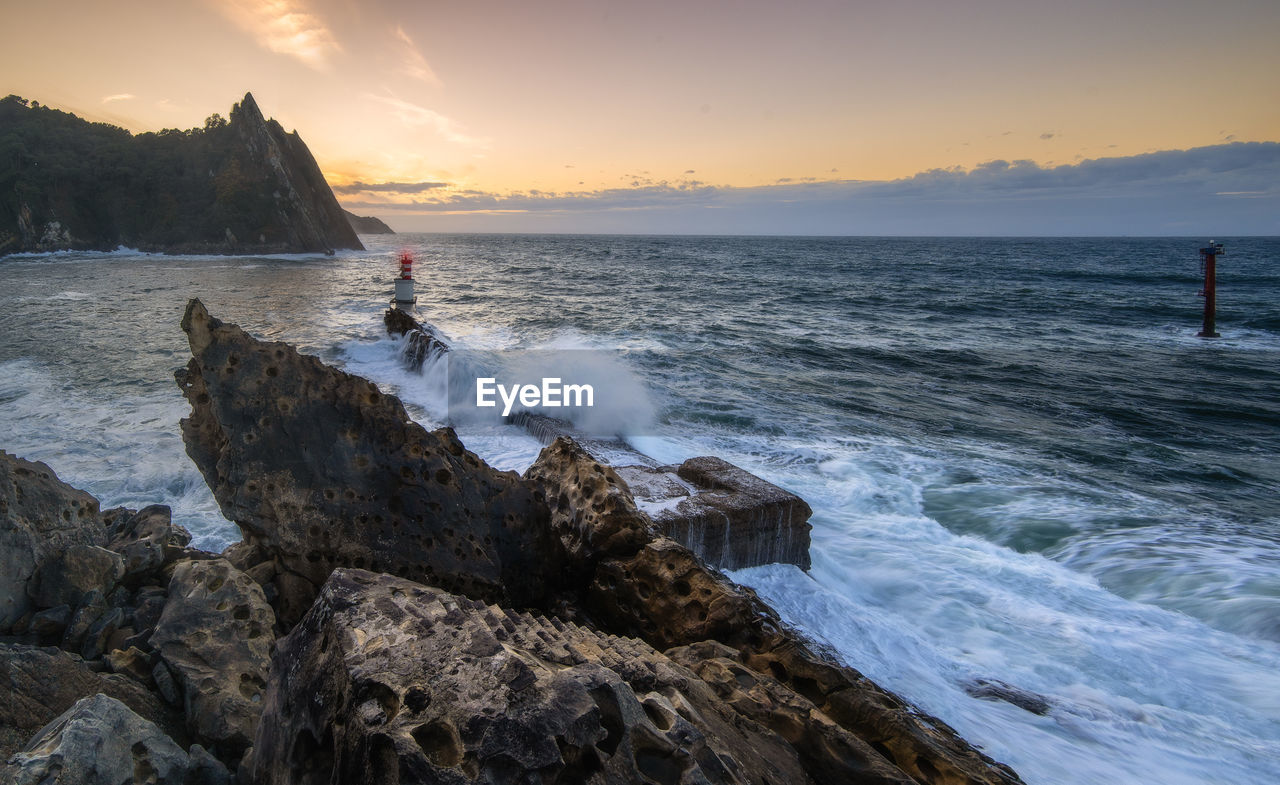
x,y
485,100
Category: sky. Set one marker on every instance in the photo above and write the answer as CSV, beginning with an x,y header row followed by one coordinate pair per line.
x,y
899,117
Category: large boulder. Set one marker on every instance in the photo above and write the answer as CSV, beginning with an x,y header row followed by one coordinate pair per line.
x,y
386,680
65,577
38,684
40,516
215,638
724,513
660,591
99,741
320,469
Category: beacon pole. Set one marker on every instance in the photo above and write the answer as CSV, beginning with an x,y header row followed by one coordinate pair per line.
x,y
1209,260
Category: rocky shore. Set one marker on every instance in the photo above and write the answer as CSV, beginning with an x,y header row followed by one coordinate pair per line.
x,y
399,611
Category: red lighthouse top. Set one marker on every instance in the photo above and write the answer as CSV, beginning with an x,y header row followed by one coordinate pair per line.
x,y
406,266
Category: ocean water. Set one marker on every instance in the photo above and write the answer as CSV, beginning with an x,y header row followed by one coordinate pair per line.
x,y
1023,464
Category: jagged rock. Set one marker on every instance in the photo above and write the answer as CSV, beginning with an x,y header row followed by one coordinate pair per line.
x,y
662,592
727,515
147,540
320,469
40,516
65,577
421,342
600,519
388,680
38,684
307,216
215,638
99,741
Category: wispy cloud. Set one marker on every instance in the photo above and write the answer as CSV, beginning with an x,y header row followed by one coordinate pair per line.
x,y
412,114
286,27
108,99
1222,189
392,188
414,64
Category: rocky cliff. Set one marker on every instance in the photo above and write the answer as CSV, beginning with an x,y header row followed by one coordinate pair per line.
x,y
243,186
367,224
401,612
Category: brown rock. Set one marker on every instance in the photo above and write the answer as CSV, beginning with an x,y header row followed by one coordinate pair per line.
x,y
320,469
421,342
65,577
666,595
147,540
727,515
388,680
215,638
40,516
38,684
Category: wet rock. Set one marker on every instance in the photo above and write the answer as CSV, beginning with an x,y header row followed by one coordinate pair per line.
x,y
727,515
591,508
321,469
148,540
829,752
65,577
664,594
99,741
40,517
37,684
421,342
215,638
387,679
994,689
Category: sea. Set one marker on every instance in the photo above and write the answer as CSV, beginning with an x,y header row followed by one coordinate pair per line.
x,y
1024,465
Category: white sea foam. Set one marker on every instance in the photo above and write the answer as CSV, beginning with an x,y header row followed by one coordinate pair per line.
x,y
126,450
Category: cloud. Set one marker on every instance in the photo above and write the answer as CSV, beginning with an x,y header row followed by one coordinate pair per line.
x,y
107,99
412,114
395,188
1047,135
414,64
285,27
1229,189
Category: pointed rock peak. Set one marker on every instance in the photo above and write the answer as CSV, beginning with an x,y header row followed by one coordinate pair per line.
x,y
248,110
198,325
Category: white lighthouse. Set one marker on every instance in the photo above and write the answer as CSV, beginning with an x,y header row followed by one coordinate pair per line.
x,y
404,284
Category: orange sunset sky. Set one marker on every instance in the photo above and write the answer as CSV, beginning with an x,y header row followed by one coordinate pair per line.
x,y
475,102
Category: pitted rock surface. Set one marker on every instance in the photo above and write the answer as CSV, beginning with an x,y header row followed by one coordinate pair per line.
x,y
386,680
663,593
320,469
215,638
